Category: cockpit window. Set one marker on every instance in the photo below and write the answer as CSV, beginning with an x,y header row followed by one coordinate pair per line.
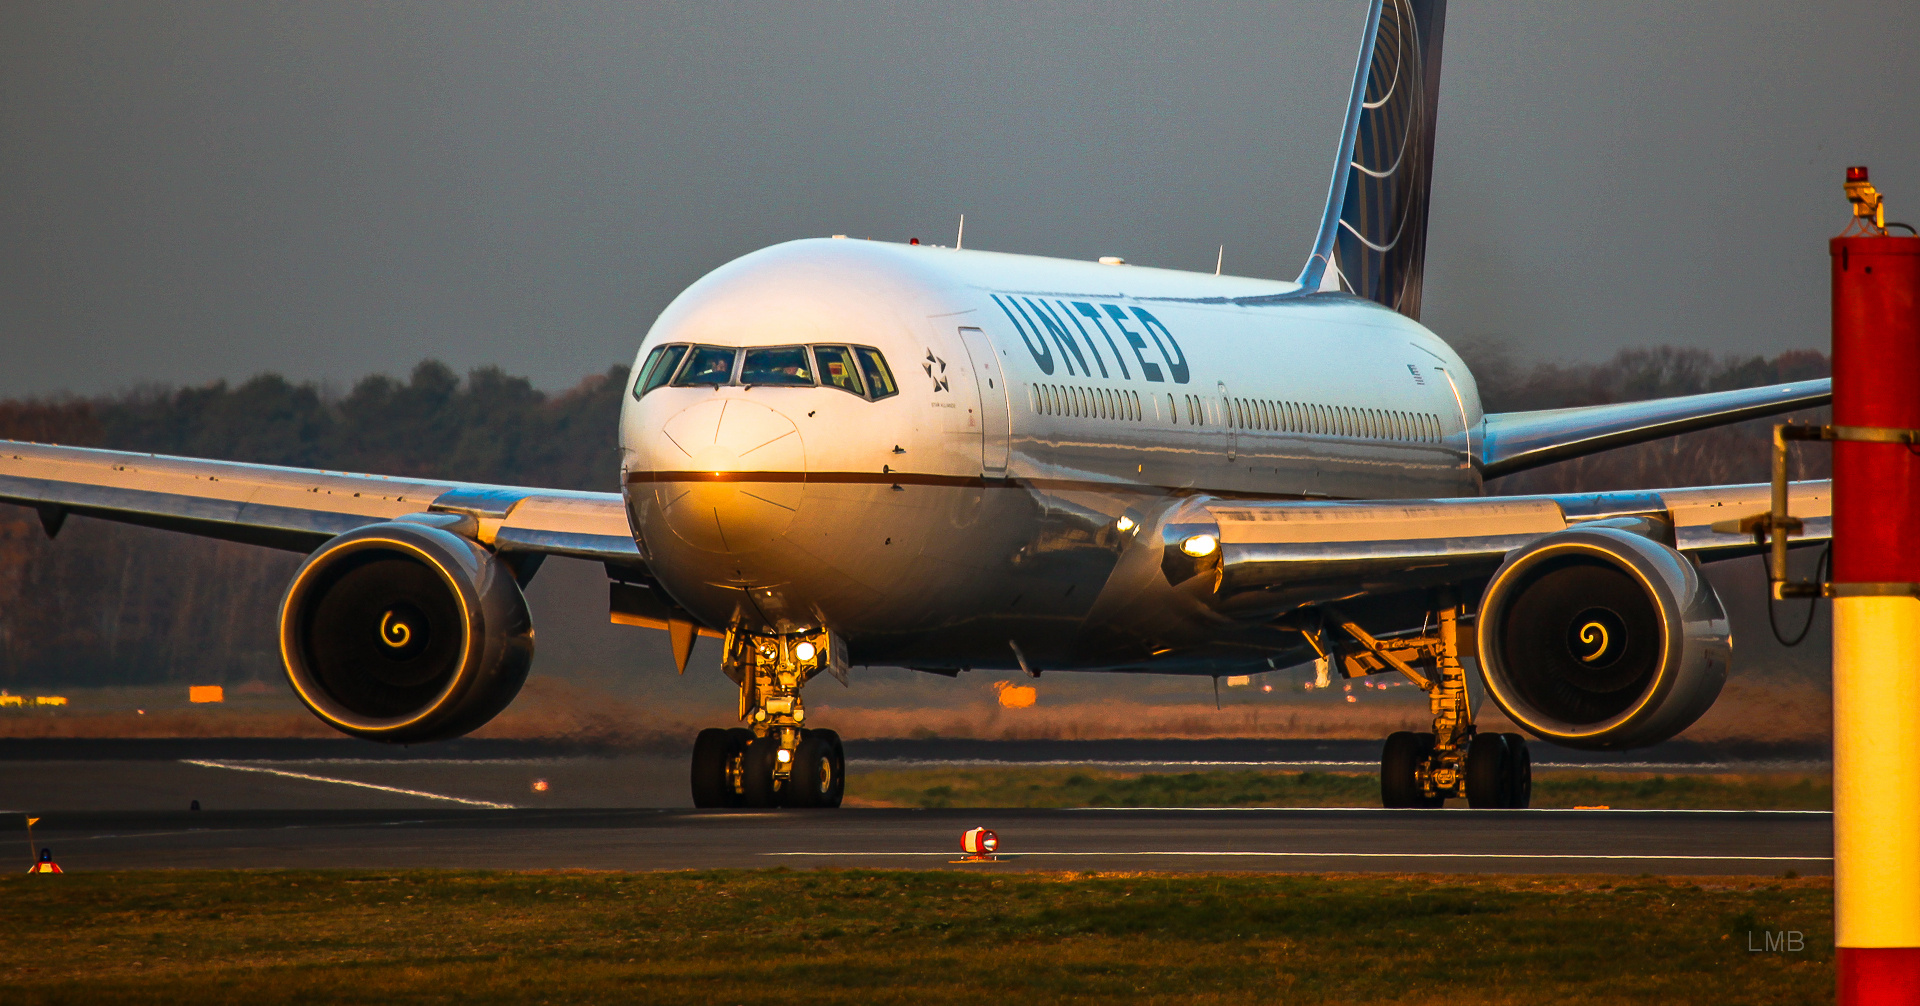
x,y
860,370
707,365
779,365
658,368
879,378
838,369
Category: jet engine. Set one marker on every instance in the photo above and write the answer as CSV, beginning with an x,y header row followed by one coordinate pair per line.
x,y
403,632
1596,637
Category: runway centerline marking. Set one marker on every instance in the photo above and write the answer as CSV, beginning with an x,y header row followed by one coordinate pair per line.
x,y
1468,810
1357,855
397,761
1327,763
347,782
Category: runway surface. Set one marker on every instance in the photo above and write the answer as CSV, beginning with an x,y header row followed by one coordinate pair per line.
x,y
1444,841
516,805
270,774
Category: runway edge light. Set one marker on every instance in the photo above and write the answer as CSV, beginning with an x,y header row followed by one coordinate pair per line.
x,y
1876,606
979,844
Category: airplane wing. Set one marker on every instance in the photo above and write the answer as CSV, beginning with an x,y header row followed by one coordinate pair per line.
x,y
1288,551
1516,441
298,509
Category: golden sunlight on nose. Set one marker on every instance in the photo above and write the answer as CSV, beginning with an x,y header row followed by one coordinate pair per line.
x,y
729,475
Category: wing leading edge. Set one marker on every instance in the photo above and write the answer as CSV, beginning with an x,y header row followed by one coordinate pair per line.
x,y
1516,441
1321,550
298,509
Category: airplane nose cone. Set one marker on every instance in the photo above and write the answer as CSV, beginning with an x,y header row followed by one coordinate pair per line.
x,y
738,486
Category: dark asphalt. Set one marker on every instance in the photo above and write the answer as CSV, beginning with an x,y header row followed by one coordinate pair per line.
x,y
1445,841
1687,756
512,805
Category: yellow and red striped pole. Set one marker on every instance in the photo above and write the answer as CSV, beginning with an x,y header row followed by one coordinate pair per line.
x,y
1876,621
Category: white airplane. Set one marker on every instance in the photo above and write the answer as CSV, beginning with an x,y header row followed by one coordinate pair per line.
x,y
841,452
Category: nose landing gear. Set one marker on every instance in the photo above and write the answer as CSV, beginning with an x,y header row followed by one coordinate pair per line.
x,y
773,761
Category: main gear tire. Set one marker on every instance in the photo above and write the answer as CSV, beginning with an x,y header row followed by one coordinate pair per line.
x,y
1400,762
815,775
831,798
756,773
1520,769
1489,772
712,750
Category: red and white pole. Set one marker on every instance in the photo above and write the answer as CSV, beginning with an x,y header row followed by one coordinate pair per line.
x,y
1876,629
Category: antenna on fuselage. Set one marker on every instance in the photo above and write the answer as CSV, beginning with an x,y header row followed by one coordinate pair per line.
x,y
962,234
1220,260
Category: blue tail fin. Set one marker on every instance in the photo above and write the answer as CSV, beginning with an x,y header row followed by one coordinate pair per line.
x,y
1373,238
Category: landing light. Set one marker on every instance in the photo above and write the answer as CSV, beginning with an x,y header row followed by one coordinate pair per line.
x,y
1200,545
783,756
804,651
1125,524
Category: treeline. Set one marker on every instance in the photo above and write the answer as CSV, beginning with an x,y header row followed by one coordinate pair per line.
x,y
109,604
490,427
114,605
1728,454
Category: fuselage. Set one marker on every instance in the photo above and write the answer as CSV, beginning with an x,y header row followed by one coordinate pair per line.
x,y
940,454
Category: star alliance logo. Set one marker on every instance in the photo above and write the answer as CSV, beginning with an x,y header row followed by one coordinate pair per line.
x,y
932,364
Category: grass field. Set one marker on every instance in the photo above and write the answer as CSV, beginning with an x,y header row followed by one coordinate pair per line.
x,y
1080,787
908,937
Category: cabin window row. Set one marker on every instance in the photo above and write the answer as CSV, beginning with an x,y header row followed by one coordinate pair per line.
x,y
1084,403
1334,420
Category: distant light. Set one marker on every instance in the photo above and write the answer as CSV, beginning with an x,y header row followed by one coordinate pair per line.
x,y
1112,260
804,651
539,785
839,237
1200,545
783,756
1125,524
1014,696
1266,688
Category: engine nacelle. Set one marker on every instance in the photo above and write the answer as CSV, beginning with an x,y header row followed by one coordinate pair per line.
x,y
402,632
1600,638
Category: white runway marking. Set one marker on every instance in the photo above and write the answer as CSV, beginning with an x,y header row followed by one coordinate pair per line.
x,y
1372,764
1355,855
1466,810
347,782
396,761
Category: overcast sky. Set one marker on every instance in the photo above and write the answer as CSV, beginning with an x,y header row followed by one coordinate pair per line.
x,y
190,191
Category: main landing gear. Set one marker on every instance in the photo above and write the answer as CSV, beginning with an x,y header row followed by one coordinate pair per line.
x,y
1424,769
773,761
